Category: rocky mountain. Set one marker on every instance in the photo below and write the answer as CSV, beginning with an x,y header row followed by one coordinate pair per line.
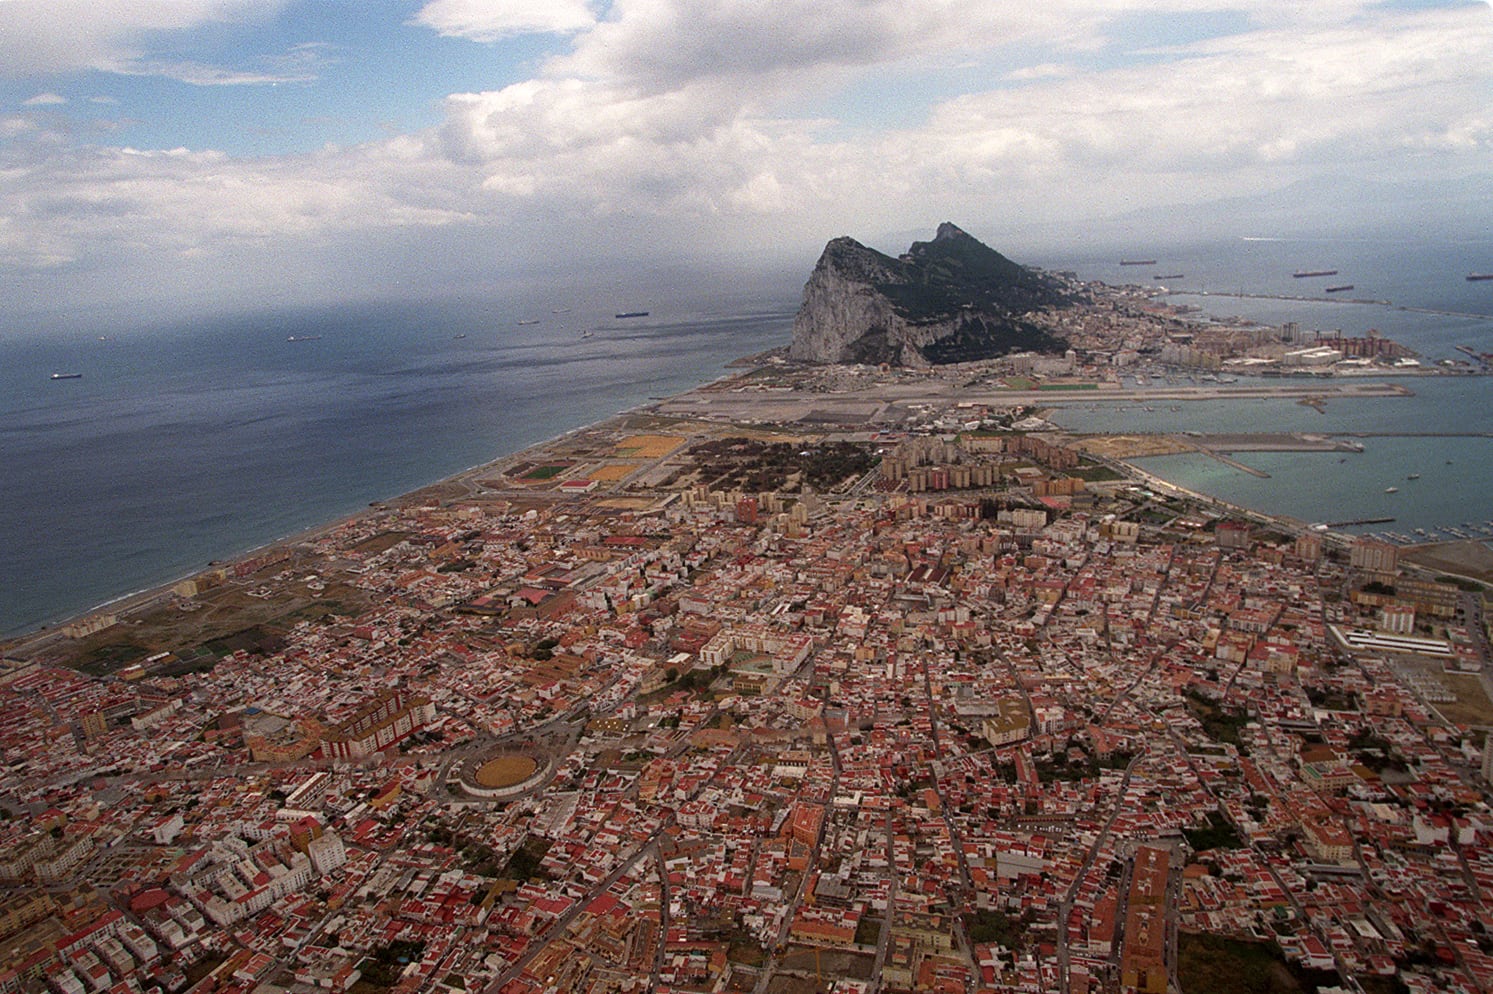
x,y
953,299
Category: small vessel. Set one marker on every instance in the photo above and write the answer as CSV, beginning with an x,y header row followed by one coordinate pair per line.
x,y
1302,274
1391,490
631,314
1137,262
302,338
67,376
1339,289
1478,277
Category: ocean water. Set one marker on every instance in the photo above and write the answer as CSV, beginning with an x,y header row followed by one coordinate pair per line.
x,y
193,442
185,444
1435,433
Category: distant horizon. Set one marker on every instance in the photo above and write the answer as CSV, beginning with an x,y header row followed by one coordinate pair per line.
x,y
198,156
748,274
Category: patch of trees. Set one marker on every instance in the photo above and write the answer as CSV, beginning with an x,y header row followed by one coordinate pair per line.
x,y
759,466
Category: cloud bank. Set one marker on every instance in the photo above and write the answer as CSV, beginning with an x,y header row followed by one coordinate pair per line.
x,y
676,125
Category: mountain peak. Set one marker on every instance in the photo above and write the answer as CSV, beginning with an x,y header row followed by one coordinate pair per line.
x,y
949,300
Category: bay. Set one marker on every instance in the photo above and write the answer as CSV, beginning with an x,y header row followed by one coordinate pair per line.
x,y
1435,434
189,443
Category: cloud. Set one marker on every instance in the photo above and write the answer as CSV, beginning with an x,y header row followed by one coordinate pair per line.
x,y
302,64
40,37
674,126
494,20
45,100
92,202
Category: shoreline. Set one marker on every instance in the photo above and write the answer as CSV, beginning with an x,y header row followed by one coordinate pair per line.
x,y
148,596
699,402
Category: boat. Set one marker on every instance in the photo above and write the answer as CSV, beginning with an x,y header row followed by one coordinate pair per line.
x,y
1304,273
1137,262
1478,277
302,338
631,314
67,376
1168,276
1391,490
1339,289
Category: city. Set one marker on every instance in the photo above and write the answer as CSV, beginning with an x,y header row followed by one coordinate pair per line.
x,y
983,714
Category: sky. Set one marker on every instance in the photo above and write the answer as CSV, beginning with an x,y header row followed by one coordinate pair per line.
x,y
171,155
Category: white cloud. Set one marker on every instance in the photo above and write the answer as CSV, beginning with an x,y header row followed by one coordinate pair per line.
x,y
45,100
494,20
58,36
1217,118
666,123
176,203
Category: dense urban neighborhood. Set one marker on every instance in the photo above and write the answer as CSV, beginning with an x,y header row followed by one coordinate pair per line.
x,y
681,703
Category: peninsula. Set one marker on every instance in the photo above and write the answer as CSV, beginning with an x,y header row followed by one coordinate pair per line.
x,y
817,677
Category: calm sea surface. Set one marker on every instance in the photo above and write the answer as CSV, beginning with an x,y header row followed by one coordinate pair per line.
x,y
195,442
1428,434
186,444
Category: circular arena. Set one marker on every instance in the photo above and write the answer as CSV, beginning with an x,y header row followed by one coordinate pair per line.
x,y
503,776
505,771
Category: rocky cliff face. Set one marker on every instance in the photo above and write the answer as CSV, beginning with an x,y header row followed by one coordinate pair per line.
x,y
949,300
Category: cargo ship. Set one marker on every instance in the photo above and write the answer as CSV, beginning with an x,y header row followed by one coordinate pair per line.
x,y
1304,273
631,314
1137,262
67,376
1340,289
1476,277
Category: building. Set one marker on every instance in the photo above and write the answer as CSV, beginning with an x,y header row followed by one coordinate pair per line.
x,y
389,718
1374,556
1398,618
1012,723
1233,534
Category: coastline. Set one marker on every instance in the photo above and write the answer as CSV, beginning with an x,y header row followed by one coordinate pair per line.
x,y
752,403
148,597
701,402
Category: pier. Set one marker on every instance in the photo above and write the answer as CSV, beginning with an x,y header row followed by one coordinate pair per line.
x,y
1439,312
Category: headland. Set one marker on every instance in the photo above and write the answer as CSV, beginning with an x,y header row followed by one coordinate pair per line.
x,y
812,672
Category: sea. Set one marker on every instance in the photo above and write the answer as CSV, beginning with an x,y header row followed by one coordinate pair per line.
x,y
196,441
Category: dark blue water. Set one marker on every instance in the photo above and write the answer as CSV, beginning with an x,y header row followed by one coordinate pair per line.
x,y
186,444
195,442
